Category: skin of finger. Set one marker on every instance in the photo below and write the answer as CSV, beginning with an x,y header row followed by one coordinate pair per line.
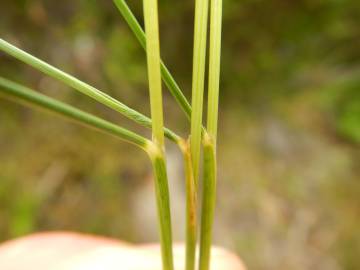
x,y
70,251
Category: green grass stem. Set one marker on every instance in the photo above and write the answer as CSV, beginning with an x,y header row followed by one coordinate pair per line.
x,y
156,105
198,78
165,73
214,67
153,67
210,138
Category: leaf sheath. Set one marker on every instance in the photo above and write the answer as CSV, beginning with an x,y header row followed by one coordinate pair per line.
x,y
208,203
163,206
191,208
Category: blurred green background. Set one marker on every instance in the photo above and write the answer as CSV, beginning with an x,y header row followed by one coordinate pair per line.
x,y
289,172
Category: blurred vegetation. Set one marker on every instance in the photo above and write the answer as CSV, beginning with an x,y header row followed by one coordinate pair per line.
x,y
289,130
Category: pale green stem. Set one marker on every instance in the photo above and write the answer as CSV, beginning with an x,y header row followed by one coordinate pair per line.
x,y
208,203
81,86
161,183
199,54
163,205
165,73
191,207
30,97
214,67
153,63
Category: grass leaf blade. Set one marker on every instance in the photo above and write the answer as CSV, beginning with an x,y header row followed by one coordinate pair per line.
x,y
81,86
31,97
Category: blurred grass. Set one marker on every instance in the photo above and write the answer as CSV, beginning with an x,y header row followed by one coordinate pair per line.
x,y
288,180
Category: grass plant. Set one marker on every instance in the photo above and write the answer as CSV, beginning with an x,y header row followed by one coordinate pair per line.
x,y
155,148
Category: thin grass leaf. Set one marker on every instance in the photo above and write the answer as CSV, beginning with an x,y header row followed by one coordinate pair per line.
x,y
165,73
81,87
30,97
198,78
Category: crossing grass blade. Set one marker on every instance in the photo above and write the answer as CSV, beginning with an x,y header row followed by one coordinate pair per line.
x,y
81,86
30,97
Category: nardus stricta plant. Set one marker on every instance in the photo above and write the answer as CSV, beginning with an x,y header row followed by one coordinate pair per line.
x,y
200,137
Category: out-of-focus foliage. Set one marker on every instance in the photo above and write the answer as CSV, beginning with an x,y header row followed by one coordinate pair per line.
x,y
289,127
